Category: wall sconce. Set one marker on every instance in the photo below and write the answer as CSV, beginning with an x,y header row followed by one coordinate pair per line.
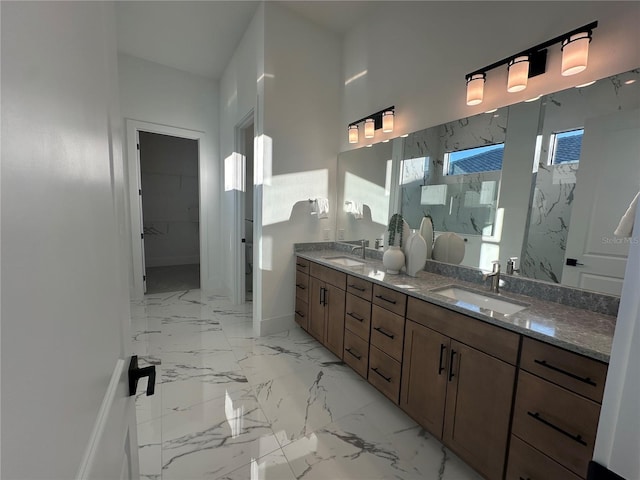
x,y
379,120
533,61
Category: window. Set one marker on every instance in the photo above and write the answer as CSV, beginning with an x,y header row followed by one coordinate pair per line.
x,y
565,147
473,160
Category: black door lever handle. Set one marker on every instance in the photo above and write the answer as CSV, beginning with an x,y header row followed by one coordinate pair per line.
x,y
136,373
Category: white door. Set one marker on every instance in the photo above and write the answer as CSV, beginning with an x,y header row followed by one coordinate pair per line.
x,y
610,156
140,211
66,409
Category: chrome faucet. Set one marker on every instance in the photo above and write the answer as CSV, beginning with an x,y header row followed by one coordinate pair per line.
x,y
511,266
495,277
363,243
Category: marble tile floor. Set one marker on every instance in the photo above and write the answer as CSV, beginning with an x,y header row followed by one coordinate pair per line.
x,y
232,406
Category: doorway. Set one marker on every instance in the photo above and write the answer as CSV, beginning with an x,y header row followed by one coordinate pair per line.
x,y
170,212
247,234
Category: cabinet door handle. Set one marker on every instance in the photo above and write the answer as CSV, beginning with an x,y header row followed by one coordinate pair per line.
x,y
301,265
390,335
300,313
355,287
586,380
353,315
443,347
451,374
388,379
325,299
321,296
300,286
358,357
386,299
577,438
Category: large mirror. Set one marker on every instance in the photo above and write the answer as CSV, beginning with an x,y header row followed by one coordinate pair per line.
x,y
550,193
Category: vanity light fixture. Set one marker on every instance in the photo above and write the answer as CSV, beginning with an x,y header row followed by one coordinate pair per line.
x,y
353,133
383,119
369,128
533,62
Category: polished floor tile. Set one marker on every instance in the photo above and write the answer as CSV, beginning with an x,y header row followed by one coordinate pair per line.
x,y
230,405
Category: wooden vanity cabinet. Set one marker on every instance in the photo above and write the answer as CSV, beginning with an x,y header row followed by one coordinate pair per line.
x,y
556,411
458,382
302,293
326,306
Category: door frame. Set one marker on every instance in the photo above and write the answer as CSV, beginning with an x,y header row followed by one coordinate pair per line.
x,y
133,128
238,247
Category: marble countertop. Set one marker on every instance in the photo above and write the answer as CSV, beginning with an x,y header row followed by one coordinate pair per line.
x,y
574,329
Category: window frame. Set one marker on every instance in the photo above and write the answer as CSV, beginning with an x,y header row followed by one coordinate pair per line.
x,y
446,161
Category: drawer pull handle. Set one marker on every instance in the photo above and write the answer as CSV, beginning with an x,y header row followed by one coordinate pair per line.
x,y
451,374
300,286
586,380
353,315
301,265
300,313
386,299
355,287
443,347
577,438
358,357
388,379
390,335
522,478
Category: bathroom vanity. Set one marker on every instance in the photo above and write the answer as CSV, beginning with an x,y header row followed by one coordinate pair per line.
x,y
516,395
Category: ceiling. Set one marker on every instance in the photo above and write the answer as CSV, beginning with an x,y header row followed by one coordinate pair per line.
x,y
200,36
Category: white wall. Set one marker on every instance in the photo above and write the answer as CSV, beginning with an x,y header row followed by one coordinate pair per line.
x,y
420,63
170,199
301,106
618,438
151,92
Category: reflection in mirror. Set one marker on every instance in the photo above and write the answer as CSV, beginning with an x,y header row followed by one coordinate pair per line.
x,y
584,179
364,180
452,173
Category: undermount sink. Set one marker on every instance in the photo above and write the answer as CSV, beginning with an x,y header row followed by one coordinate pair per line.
x,y
344,261
475,301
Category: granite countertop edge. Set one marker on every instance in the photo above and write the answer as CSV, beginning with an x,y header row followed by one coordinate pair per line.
x,y
581,331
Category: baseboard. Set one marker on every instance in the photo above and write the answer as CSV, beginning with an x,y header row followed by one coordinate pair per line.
x,y
171,261
598,472
269,326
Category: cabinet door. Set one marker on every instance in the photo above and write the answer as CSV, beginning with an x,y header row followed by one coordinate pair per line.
x,y
478,408
334,335
424,376
316,308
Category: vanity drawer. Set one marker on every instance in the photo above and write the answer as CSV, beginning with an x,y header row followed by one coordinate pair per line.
x,y
387,332
393,301
359,287
357,316
329,275
356,353
575,372
302,313
527,462
384,373
302,286
556,421
492,340
302,265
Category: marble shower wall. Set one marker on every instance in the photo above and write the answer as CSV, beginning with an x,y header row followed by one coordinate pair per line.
x,y
423,165
553,189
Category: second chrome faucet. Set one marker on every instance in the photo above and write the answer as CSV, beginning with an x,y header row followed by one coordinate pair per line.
x,y
495,277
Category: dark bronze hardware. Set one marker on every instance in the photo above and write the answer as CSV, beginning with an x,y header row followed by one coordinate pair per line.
x,y
359,357
390,335
300,313
300,286
386,299
355,287
451,374
301,265
443,347
388,379
586,380
136,373
577,438
353,315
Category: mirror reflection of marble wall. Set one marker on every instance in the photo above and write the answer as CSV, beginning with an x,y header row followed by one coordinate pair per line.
x,y
364,181
463,203
554,186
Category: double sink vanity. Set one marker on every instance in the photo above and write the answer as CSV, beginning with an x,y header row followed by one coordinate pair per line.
x,y
512,384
